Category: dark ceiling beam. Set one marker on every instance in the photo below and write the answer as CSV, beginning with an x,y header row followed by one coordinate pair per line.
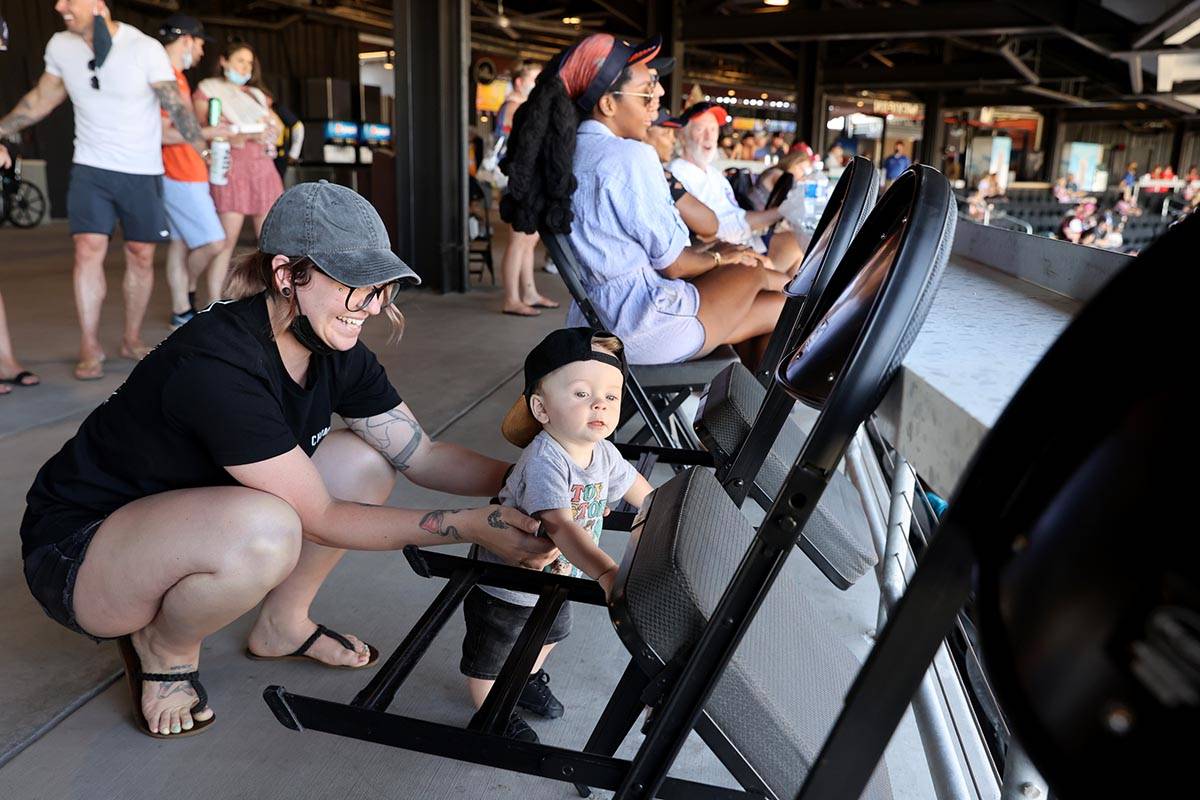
x,y
773,60
1175,18
898,22
926,76
1071,56
631,12
1116,114
1006,98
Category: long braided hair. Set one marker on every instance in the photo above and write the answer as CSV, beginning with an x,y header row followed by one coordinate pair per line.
x,y
540,155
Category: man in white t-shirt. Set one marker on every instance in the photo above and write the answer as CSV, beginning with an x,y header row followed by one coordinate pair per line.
x,y
118,79
701,125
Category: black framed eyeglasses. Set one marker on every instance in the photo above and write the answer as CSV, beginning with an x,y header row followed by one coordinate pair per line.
x,y
360,297
95,77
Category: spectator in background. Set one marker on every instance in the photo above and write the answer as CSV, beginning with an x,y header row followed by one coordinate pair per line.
x,y
11,372
699,218
728,145
835,159
291,137
253,185
117,78
896,163
197,235
798,163
521,295
989,186
701,125
1191,187
762,147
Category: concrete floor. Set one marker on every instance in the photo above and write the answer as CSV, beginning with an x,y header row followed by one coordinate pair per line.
x,y
65,729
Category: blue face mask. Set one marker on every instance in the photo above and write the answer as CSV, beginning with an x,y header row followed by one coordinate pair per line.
x,y
101,39
236,77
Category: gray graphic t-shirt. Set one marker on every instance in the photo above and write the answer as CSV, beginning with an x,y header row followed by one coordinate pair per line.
x,y
546,478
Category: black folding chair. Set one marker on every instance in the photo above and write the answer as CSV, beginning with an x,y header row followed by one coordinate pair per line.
x,y
479,249
682,601
657,390
1066,532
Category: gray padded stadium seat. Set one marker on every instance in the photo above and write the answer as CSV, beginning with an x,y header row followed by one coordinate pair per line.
x,y
784,688
838,528
686,373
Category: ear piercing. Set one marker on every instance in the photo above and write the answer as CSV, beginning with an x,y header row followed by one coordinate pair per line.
x,y
286,291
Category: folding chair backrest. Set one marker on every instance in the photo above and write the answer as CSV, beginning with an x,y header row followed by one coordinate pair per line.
x,y
780,190
871,310
852,199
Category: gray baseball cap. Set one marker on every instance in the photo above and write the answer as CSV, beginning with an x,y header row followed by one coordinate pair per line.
x,y
338,229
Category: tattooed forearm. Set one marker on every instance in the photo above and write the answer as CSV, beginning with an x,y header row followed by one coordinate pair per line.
x,y
394,433
182,117
435,522
494,520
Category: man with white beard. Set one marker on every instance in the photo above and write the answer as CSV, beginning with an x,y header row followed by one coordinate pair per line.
x,y
701,132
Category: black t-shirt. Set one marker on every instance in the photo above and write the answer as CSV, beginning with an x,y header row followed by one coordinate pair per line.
x,y
214,394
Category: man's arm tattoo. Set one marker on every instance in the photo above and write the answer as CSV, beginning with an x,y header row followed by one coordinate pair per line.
x,y
394,433
20,118
494,520
435,522
182,117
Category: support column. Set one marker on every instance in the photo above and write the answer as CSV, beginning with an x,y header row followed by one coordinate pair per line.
x,y
666,17
810,100
931,131
1177,148
1051,126
431,69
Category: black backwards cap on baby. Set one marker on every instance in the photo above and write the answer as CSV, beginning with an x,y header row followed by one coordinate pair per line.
x,y
560,348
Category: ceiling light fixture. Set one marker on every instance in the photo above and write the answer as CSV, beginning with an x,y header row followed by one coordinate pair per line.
x,y
779,3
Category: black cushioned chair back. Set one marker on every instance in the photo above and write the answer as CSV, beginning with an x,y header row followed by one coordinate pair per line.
x,y
1088,586
872,309
852,199
848,206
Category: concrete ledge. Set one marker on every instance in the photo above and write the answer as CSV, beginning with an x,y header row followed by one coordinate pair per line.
x,y
984,334
1077,271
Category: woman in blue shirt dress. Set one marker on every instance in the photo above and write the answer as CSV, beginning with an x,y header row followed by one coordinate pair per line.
x,y
577,164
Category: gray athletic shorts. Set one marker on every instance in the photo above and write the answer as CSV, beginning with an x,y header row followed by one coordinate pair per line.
x,y
98,198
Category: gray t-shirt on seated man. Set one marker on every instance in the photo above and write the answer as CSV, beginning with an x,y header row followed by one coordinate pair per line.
x,y
546,478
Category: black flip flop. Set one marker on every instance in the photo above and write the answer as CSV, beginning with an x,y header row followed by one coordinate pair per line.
x,y
545,305
19,379
519,314
301,652
135,678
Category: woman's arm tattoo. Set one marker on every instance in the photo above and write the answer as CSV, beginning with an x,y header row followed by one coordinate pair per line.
x,y
396,434
435,522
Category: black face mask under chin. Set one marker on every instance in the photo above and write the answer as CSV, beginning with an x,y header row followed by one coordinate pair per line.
x,y
302,329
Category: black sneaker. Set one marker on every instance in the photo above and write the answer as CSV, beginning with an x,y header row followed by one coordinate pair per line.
x,y
519,729
537,697
192,301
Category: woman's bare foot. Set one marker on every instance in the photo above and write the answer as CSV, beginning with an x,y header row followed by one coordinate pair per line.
x,y
167,707
271,638
135,351
538,301
520,310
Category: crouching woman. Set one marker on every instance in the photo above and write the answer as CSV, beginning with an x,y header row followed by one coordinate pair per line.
x,y
210,481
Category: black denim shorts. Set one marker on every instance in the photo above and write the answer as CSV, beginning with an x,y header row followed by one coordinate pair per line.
x,y
493,626
50,570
